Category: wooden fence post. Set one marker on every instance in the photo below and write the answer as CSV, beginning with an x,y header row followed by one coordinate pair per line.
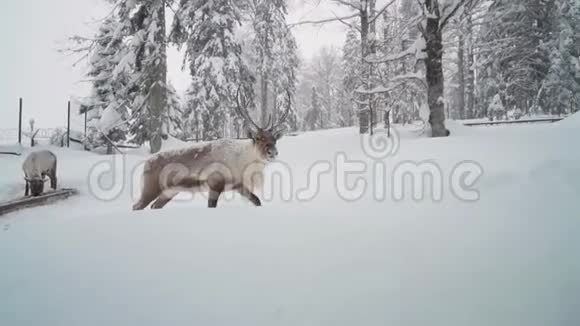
x,y
68,126
20,121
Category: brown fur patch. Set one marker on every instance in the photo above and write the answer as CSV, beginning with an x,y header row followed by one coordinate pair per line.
x,y
197,152
189,183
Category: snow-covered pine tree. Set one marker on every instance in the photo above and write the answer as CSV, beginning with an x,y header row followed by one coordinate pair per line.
x,y
105,107
144,22
496,108
274,53
214,56
351,61
138,70
191,124
174,116
314,117
325,73
285,77
562,83
352,72
516,58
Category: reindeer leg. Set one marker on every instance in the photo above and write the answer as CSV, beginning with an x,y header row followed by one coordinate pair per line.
x,y
26,190
147,196
151,190
52,176
163,199
216,186
246,193
214,195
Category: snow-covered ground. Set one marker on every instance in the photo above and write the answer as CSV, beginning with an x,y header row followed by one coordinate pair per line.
x,y
509,257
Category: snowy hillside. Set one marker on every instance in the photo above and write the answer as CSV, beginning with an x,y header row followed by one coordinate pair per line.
x,y
512,257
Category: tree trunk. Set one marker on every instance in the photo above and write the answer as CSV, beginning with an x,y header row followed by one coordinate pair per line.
x,y
470,83
434,65
461,77
264,93
364,38
196,122
372,50
387,118
158,96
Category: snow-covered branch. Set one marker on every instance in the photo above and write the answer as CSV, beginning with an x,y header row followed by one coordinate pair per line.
x,y
451,7
393,84
323,21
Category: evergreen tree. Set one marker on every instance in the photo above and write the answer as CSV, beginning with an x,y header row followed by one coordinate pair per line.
x,y
128,62
273,52
173,119
496,108
535,49
351,60
314,118
214,56
352,73
325,74
516,59
562,83
144,22
192,126
105,107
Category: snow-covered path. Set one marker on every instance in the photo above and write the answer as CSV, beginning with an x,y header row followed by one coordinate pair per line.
x,y
510,258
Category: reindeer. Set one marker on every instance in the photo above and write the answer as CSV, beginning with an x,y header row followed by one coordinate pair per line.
x,y
36,167
216,166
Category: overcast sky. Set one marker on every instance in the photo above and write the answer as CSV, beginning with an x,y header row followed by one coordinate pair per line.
x,y
32,31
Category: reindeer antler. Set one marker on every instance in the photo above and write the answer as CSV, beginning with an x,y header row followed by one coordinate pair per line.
x,y
243,112
285,114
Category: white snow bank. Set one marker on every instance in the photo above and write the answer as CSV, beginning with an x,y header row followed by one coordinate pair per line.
x,y
340,265
174,143
571,121
510,258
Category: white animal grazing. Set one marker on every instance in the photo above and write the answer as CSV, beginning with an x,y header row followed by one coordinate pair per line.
x,y
218,166
36,167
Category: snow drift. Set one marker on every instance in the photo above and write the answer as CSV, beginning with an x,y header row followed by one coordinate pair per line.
x,y
510,258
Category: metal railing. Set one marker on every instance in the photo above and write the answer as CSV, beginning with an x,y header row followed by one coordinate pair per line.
x,y
509,122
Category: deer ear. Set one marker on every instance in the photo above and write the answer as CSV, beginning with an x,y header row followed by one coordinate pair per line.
x,y
278,134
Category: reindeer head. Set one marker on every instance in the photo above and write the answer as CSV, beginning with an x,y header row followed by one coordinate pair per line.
x,y
264,138
36,185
